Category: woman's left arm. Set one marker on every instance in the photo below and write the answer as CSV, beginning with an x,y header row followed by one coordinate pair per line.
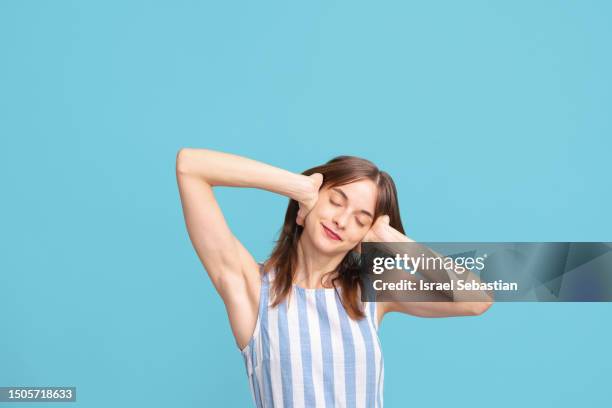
x,y
382,232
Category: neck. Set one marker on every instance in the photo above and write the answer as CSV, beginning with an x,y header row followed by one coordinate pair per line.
x,y
312,265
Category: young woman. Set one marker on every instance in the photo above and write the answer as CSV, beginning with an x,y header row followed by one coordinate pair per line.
x,y
306,338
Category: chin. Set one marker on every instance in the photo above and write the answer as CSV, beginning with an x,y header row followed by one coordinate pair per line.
x,y
327,245
319,243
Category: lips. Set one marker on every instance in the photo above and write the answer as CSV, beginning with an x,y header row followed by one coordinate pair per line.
x,y
331,234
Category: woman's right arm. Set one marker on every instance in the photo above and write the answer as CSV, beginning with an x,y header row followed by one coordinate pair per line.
x,y
198,171
231,268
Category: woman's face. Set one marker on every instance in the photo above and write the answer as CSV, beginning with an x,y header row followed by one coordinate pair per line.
x,y
342,216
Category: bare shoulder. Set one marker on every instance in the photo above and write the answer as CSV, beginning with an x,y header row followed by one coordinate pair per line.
x,y
382,308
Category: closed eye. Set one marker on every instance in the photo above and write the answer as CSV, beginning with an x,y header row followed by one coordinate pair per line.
x,y
338,205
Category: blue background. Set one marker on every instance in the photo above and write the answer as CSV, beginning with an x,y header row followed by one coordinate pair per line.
x,y
493,117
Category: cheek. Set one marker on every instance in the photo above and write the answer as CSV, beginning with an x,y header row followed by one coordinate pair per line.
x,y
357,235
323,211
315,216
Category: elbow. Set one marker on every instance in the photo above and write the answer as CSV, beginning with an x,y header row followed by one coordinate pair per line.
x,y
182,158
478,308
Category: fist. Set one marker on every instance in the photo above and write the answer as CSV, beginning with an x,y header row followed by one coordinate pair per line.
x,y
309,198
380,231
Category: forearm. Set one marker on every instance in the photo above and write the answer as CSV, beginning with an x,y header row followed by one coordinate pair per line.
x,y
395,244
456,273
226,169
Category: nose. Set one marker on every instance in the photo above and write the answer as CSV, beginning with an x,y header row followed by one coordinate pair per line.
x,y
341,218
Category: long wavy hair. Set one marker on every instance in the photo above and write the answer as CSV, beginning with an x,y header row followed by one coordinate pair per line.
x,y
336,172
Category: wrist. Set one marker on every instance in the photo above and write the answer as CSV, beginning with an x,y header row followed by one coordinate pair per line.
x,y
301,187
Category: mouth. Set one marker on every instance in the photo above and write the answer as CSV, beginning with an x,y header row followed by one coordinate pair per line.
x,y
331,234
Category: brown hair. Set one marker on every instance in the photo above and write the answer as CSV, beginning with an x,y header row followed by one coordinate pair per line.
x,y
338,171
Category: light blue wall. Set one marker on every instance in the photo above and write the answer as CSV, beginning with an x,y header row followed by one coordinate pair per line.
x,y
493,117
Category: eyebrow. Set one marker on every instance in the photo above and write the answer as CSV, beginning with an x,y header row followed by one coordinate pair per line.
x,y
336,189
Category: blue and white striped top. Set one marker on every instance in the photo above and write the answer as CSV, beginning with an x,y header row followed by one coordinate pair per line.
x,y
308,352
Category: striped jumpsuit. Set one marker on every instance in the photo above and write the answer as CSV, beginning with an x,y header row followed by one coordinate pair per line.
x,y
308,352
